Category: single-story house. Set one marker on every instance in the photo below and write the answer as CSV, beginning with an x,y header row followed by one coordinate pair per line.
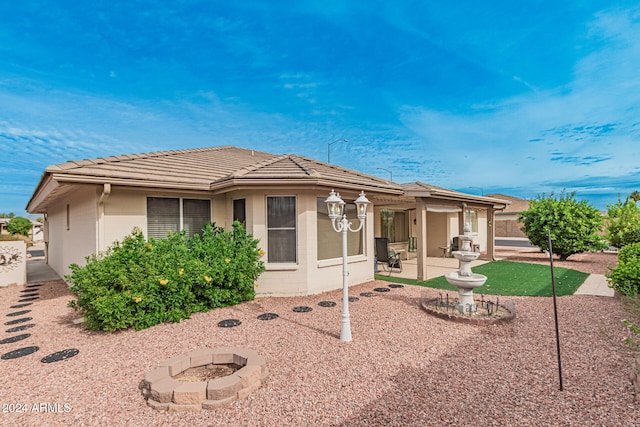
x,y
507,224
89,204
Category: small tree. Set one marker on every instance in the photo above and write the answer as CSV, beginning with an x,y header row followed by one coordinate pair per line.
x,y
574,225
624,222
19,225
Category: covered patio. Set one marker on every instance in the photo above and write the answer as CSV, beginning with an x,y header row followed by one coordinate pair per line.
x,y
424,222
435,267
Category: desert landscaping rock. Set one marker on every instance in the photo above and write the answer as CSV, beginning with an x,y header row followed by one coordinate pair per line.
x,y
327,304
60,355
20,328
26,304
229,323
268,316
18,321
21,352
18,313
15,338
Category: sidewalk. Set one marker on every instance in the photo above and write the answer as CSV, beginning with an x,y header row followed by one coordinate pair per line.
x,y
596,284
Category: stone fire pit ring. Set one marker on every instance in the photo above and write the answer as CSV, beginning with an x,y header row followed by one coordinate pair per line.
x,y
165,393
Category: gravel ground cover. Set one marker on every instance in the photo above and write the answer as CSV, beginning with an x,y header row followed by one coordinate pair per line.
x,y
403,368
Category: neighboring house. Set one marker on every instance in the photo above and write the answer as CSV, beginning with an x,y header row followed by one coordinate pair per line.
x,y
507,224
90,204
3,225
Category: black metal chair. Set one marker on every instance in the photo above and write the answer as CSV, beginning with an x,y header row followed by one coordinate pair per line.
x,y
387,256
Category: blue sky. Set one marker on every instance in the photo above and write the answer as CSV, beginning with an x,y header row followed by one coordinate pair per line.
x,y
508,97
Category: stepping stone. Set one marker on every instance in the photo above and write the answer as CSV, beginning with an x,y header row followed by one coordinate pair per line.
x,y
37,285
327,304
14,339
229,323
28,299
15,322
26,304
60,355
354,299
395,285
19,352
302,309
34,294
24,291
20,328
366,294
268,316
381,289
18,313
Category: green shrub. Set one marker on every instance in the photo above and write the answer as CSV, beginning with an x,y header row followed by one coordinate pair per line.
x,y
625,277
574,225
139,283
624,223
19,225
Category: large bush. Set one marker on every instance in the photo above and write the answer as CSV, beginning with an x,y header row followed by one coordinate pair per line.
x,y
574,225
625,277
624,223
139,283
19,225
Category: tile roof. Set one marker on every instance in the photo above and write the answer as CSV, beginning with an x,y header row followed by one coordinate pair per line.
x,y
216,169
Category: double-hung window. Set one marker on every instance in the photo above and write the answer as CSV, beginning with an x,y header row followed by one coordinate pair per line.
x,y
172,214
281,229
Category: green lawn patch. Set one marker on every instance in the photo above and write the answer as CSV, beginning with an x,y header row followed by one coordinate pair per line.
x,y
511,278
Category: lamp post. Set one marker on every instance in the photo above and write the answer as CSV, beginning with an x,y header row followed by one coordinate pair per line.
x,y
387,170
335,206
329,148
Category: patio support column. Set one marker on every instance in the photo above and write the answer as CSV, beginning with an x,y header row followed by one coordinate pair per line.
x,y
421,216
491,234
461,216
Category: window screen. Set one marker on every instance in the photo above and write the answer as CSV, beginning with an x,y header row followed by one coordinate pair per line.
x,y
195,214
281,229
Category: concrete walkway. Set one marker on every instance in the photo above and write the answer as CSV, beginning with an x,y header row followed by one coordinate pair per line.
x,y
596,284
39,271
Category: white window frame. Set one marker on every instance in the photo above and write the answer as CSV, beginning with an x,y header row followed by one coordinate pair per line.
x,y
180,209
295,228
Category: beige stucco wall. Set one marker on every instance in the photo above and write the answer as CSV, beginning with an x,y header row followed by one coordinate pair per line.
x,y
97,225
71,243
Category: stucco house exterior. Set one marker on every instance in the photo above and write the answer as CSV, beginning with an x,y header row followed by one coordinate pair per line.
x,y
89,204
507,224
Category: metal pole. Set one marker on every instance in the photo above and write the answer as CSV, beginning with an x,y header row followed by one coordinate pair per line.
x,y
555,308
345,329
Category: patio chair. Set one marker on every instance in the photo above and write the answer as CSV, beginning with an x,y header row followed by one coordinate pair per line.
x,y
387,256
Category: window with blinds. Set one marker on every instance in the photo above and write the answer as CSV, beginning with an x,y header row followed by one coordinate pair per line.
x,y
169,215
281,229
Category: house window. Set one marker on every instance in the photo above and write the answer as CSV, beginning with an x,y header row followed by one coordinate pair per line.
x,y
166,215
471,218
240,211
281,229
330,242
394,225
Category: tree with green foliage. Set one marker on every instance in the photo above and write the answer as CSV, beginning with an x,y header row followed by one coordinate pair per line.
x,y
635,196
625,277
19,225
7,215
574,225
624,223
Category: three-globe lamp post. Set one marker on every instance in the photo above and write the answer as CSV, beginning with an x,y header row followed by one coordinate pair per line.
x,y
335,206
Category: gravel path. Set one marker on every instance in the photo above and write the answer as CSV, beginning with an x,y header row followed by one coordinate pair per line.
x,y
403,368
